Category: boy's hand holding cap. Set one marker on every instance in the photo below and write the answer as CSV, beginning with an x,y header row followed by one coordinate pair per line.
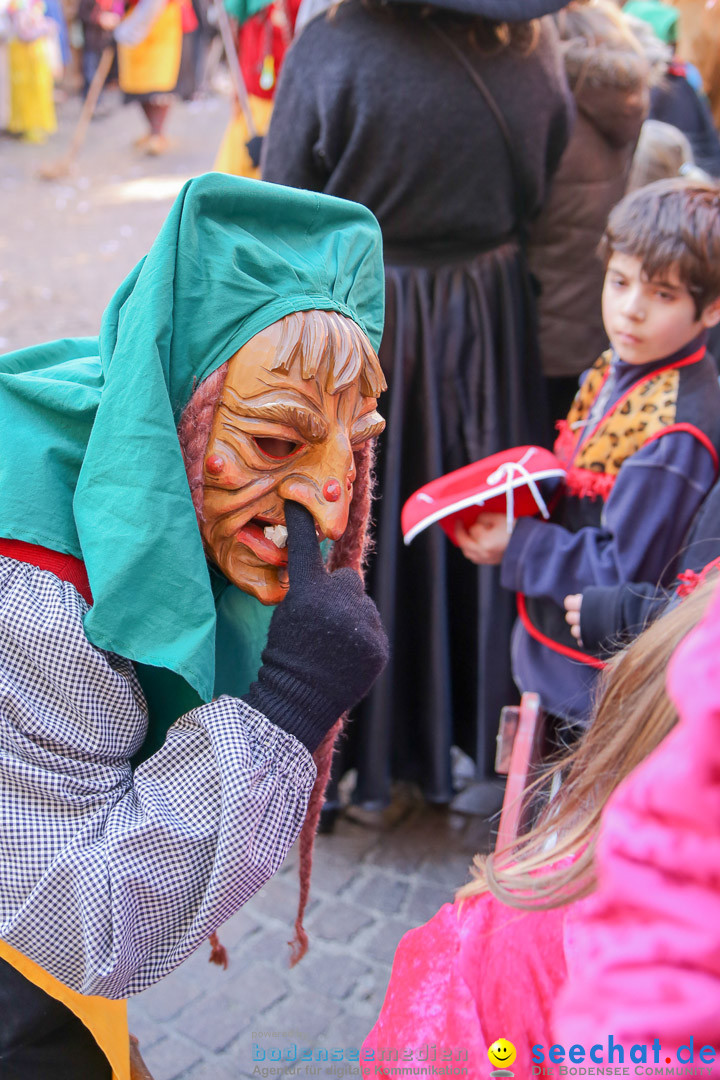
x,y
485,541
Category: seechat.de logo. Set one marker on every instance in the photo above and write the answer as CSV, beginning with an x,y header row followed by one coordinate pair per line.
x,y
639,1059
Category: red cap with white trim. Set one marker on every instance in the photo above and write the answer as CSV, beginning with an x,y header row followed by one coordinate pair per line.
x,y
503,483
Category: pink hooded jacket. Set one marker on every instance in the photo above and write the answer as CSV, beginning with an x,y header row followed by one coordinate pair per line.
x,y
644,951
477,972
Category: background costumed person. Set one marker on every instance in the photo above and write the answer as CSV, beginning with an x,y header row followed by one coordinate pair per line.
x,y
264,34
143,505
149,52
367,94
32,107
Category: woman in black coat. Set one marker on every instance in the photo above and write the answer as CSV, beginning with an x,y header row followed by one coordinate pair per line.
x,y
448,125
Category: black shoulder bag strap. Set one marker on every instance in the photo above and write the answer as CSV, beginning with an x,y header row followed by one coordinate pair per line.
x,y
515,171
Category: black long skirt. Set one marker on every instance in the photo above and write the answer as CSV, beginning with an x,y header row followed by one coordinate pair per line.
x,y
460,357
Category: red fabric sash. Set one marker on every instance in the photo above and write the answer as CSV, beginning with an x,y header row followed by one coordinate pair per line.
x,y
65,567
556,646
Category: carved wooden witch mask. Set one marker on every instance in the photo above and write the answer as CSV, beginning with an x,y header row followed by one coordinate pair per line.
x,y
297,400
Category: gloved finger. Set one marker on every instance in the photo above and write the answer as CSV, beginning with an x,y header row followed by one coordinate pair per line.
x,y
347,582
304,554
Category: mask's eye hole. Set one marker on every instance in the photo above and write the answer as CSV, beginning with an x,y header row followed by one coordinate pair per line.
x,y
276,448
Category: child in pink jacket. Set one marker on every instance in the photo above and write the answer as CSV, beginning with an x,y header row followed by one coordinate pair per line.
x,y
491,966
645,957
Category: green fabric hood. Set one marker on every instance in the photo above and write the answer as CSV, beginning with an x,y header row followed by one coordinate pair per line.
x,y
242,10
91,463
663,18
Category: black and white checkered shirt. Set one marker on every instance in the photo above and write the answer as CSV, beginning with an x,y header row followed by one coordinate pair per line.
x,y
110,879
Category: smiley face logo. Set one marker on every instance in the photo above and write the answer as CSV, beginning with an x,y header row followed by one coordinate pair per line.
x,y
502,1053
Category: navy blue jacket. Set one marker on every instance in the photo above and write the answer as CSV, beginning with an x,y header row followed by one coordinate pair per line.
x,y
611,616
643,525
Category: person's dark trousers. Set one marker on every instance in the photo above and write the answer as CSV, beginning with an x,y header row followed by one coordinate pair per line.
x,y
40,1038
90,61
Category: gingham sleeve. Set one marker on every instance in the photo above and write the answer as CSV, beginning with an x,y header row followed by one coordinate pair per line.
x,y
110,879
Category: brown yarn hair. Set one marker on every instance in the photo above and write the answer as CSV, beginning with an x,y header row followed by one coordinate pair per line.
x,y
633,715
671,223
194,432
351,550
334,348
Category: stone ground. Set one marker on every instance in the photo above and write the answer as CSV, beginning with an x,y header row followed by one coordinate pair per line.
x,y
64,248
66,245
368,887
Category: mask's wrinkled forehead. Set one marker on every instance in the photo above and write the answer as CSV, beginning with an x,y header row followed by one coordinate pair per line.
x,y
330,347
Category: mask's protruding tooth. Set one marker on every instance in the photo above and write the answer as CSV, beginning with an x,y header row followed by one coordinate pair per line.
x,y
277,534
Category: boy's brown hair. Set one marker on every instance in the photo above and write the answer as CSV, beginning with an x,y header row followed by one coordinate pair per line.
x,y
671,223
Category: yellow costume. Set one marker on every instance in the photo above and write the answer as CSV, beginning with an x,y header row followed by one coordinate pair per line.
x,y
32,109
232,156
152,66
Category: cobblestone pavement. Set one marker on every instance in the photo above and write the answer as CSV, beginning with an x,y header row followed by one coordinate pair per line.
x,y
368,887
64,247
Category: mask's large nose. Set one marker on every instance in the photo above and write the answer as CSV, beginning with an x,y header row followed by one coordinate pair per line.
x,y
324,486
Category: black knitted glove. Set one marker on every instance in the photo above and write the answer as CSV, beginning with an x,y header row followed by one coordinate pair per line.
x,y
326,645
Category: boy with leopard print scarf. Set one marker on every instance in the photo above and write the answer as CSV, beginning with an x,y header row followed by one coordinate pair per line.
x,y
640,441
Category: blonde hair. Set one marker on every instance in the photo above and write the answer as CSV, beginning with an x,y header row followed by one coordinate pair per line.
x,y
633,715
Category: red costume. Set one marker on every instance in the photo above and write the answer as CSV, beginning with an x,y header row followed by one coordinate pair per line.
x,y
262,43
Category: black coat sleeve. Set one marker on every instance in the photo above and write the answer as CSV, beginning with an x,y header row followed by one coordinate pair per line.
x,y
612,615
